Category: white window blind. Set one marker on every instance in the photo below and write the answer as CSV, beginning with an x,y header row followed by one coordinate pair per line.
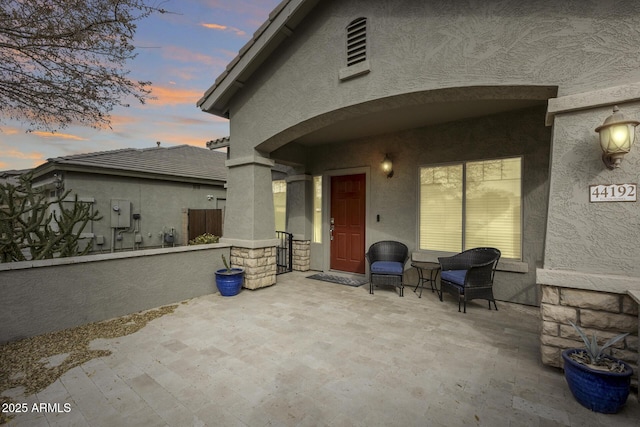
x,y
493,199
280,204
474,204
317,209
441,208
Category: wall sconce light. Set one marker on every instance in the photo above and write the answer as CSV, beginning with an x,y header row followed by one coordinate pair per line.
x,y
616,138
387,166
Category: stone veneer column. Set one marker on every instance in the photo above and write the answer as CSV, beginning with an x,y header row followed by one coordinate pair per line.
x,y
301,255
603,313
259,265
249,218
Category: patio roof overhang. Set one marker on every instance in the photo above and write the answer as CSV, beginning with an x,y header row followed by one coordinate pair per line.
x,y
409,111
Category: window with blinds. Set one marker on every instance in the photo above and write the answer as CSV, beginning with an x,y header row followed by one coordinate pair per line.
x,y
441,208
279,188
473,204
317,209
357,41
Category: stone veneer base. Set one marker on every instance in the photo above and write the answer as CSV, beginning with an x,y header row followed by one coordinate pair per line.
x,y
606,314
301,255
259,265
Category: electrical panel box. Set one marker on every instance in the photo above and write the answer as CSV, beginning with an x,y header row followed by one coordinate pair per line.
x,y
120,213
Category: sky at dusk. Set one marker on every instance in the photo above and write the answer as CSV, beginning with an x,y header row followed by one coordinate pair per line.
x,y
181,53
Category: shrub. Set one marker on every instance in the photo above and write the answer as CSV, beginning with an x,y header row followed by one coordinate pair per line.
x,y
205,239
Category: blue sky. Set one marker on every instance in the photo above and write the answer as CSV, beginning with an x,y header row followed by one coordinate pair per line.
x,y
182,54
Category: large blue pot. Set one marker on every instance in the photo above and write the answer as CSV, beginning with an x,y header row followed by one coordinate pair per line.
x,y
229,283
601,391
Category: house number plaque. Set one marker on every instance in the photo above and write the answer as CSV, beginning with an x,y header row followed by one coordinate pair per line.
x,y
613,193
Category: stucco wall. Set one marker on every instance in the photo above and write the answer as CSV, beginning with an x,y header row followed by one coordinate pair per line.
x,y
159,203
51,295
416,46
419,48
396,199
596,238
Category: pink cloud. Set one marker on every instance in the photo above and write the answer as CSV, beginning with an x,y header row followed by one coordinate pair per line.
x,y
12,153
225,28
119,120
10,131
174,96
59,135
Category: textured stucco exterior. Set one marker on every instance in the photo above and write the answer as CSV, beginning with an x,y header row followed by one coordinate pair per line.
x,y
395,200
51,295
416,46
449,81
598,238
161,204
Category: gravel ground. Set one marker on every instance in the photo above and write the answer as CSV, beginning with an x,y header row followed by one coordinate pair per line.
x,y
30,365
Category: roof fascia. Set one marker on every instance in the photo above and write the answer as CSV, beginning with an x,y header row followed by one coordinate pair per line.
x,y
282,21
96,170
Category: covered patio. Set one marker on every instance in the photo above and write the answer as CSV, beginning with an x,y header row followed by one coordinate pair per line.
x,y
306,352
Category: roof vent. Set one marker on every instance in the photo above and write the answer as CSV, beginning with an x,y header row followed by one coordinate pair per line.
x,y
357,41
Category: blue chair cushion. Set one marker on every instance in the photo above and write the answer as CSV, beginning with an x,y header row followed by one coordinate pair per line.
x,y
454,276
387,267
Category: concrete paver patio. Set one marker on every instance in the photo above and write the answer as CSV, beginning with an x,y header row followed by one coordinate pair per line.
x,y
306,352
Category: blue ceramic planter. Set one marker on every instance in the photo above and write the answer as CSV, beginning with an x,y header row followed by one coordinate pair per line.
x,y
601,391
229,284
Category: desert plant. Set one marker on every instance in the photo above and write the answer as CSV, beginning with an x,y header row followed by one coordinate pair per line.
x,y
226,264
27,222
592,351
204,239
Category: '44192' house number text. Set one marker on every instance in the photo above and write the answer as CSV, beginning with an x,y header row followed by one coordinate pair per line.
x,y
613,193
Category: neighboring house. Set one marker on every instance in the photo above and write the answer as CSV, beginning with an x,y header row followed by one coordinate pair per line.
x,y
143,195
12,176
487,111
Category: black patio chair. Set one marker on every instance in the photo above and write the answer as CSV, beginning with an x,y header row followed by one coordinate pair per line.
x,y
469,275
386,264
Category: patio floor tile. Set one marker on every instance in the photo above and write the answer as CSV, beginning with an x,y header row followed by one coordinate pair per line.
x,y
309,353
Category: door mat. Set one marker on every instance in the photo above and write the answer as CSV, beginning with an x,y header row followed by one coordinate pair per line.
x,y
338,279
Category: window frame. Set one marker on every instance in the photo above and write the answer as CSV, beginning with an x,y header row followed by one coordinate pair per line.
x,y
282,183
464,201
317,225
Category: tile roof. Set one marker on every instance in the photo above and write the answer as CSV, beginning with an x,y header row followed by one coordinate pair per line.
x,y
184,161
219,143
280,25
244,49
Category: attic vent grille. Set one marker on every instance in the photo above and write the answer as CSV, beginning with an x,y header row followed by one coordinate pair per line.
x,y
357,41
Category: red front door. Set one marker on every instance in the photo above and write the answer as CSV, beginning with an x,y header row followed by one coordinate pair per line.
x,y
348,223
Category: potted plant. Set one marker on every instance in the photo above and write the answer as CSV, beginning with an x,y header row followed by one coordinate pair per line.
x,y
229,280
598,381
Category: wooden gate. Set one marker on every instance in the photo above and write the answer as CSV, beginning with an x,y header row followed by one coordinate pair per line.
x,y
205,221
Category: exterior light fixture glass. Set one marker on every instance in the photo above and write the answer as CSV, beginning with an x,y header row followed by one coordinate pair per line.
x,y
387,166
616,138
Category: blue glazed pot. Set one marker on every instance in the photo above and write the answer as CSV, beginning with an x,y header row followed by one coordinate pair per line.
x,y
229,283
601,391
